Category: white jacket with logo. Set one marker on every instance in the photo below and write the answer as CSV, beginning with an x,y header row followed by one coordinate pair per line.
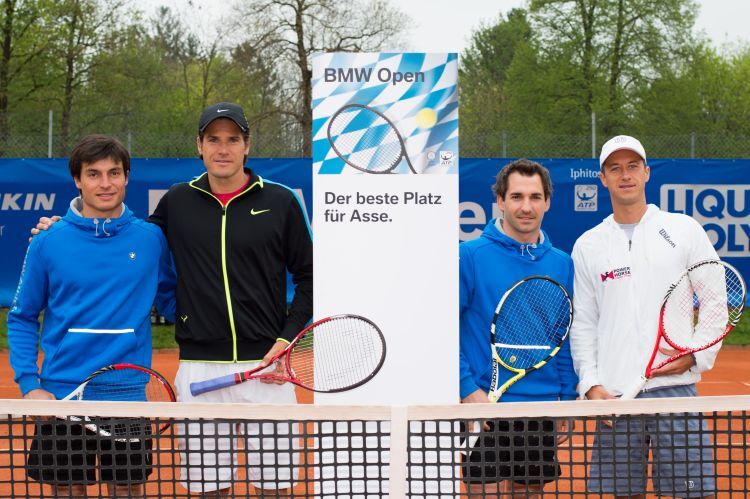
x,y
619,288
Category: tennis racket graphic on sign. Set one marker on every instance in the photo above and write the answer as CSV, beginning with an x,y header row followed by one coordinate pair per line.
x,y
530,325
698,311
331,355
124,383
366,139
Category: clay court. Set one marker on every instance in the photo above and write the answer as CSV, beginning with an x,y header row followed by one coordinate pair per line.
x,y
730,376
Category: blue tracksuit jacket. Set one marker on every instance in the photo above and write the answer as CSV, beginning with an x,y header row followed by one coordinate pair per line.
x,y
95,280
489,266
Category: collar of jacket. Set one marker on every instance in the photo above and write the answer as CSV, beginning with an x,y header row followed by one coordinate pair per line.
x,y
202,183
651,210
532,251
101,227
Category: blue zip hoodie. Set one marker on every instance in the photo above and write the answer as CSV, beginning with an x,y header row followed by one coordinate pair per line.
x,y
489,266
96,280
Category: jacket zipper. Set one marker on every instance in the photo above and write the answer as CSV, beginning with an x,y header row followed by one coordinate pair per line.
x,y
224,258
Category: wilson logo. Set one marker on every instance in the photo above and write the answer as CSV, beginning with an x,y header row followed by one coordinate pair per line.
x,y
663,233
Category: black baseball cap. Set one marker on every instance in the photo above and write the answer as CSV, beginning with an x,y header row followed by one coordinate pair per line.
x,y
223,110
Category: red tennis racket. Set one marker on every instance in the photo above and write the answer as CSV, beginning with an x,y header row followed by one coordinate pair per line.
x,y
331,355
699,310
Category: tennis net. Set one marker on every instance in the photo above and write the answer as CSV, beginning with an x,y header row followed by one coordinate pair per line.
x,y
698,447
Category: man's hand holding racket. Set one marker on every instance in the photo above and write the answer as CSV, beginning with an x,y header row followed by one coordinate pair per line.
x,y
40,394
278,367
677,366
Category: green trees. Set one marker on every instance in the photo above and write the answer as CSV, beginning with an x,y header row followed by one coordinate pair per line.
x,y
101,66
635,64
291,32
485,84
529,82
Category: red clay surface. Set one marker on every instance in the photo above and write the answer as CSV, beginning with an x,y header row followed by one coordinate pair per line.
x,y
730,376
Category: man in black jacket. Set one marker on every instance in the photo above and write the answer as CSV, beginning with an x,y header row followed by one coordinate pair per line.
x,y
233,236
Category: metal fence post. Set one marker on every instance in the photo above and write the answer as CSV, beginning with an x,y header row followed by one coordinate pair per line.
x,y
692,145
49,135
593,134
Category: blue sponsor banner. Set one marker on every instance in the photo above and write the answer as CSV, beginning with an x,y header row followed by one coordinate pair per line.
x,y
714,192
31,188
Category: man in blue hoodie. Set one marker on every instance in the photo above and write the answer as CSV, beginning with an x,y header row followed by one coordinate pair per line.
x,y
93,275
509,250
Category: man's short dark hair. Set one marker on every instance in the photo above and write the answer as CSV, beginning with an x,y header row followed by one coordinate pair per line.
x,y
526,168
93,148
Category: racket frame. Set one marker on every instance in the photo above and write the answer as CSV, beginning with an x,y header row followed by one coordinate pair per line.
x,y
199,387
91,426
634,390
403,155
495,393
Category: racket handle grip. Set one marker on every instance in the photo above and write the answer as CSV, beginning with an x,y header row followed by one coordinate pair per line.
x,y
210,385
634,389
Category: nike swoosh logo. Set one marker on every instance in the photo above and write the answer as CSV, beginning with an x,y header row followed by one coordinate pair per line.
x,y
221,110
253,212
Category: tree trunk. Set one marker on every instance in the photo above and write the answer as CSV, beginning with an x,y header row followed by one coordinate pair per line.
x,y
306,82
5,74
70,75
587,11
615,71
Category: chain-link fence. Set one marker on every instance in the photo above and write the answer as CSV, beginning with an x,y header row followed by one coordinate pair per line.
x,y
39,135
32,136
523,144
144,145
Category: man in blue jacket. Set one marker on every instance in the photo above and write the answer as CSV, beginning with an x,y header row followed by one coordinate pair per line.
x,y
96,275
509,250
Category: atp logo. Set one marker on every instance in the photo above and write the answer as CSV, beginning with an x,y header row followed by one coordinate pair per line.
x,y
612,275
447,158
586,197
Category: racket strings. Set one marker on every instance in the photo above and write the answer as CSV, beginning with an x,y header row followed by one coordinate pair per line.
x,y
126,384
532,321
337,354
365,139
700,307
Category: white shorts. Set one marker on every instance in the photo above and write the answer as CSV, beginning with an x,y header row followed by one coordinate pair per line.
x,y
208,455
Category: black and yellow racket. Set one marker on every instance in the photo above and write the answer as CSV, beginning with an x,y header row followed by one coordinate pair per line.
x,y
531,323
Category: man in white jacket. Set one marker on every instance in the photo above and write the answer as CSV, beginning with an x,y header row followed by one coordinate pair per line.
x,y
623,268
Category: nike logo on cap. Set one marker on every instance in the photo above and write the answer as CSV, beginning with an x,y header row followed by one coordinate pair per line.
x,y
221,110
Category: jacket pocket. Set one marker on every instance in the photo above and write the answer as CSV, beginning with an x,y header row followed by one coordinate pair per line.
x,y
83,351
